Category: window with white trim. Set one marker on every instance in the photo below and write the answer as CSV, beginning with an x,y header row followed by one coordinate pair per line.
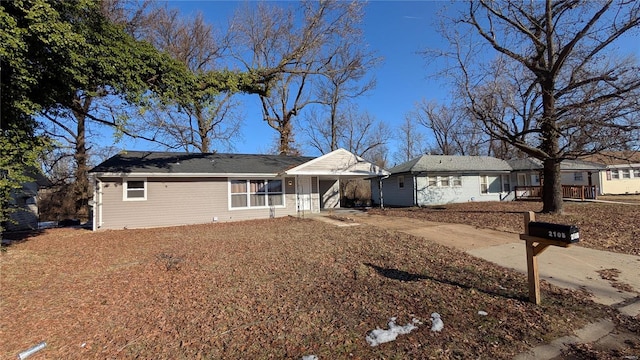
x,y
506,183
636,173
134,190
444,181
456,180
625,174
432,181
615,174
490,184
256,193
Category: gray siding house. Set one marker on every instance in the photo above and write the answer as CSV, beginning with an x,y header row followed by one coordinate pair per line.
x,y
24,203
528,172
443,179
140,189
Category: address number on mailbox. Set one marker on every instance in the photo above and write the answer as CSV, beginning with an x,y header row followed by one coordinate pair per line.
x,y
564,233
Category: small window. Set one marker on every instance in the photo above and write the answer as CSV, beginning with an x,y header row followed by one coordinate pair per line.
x,y
432,181
506,183
626,174
456,180
490,184
577,176
401,182
444,181
135,190
636,173
615,174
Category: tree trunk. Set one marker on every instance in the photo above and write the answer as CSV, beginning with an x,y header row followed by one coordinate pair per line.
x,y
552,187
203,131
286,140
81,185
81,174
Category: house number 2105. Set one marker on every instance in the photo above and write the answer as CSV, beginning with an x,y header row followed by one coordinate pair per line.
x,y
557,234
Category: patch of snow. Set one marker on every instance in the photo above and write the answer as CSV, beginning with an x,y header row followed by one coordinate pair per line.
x,y
310,357
380,336
483,313
436,322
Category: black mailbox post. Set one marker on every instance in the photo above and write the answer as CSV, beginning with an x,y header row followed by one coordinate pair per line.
x,y
564,233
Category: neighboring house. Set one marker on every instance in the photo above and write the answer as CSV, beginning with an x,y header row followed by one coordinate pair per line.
x,y
139,189
621,173
527,175
24,204
443,179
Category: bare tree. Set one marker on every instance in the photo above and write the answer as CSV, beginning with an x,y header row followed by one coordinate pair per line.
x,y
575,94
363,134
207,118
292,51
341,81
319,131
412,141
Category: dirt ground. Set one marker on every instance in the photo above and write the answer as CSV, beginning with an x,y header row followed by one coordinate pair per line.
x,y
278,288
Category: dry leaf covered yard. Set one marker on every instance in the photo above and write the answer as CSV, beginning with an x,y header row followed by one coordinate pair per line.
x,y
280,288
603,226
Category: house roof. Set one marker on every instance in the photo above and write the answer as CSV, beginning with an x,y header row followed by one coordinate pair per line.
x,y
339,162
451,163
529,164
615,158
172,163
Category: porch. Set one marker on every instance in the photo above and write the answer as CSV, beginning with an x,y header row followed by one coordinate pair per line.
x,y
580,192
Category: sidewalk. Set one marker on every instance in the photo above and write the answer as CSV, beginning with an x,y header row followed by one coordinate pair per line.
x,y
574,267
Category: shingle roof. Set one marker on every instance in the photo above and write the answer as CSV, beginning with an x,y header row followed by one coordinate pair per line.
x,y
566,165
615,157
451,163
133,162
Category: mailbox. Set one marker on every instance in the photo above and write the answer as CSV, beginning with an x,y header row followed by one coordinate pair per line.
x,y
559,232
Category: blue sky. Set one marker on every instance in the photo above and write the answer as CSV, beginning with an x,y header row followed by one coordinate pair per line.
x,y
395,30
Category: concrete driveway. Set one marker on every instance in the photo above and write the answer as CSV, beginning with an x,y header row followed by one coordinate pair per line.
x,y
574,267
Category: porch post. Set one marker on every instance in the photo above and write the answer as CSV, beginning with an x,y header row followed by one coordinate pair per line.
x,y
298,206
380,191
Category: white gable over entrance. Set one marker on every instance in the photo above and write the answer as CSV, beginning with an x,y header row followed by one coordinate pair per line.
x,y
339,163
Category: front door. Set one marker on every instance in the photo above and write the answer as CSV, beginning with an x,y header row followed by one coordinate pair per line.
x,y
304,193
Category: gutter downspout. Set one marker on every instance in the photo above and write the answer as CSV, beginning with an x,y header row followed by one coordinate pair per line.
x,y
298,198
93,204
97,204
380,178
100,190
414,178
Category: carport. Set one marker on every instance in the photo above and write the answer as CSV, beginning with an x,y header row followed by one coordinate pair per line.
x,y
318,181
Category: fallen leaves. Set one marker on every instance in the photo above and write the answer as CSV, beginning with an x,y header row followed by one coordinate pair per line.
x,y
603,226
278,288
